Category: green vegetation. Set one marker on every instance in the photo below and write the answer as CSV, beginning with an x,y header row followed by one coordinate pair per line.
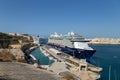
x,y
4,36
6,40
18,37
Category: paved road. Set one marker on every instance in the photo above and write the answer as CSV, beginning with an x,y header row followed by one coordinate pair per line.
x,y
21,71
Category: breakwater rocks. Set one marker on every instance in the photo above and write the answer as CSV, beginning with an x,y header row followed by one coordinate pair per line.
x,y
104,41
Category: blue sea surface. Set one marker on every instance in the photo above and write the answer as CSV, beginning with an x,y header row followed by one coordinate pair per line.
x,y
41,58
106,56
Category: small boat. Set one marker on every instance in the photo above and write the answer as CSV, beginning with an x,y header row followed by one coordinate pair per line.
x,y
51,58
46,54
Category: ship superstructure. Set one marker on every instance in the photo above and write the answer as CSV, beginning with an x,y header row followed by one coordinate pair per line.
x,y
73,44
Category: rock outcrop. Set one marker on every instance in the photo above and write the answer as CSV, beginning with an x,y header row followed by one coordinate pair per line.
x,y
12,54
22,71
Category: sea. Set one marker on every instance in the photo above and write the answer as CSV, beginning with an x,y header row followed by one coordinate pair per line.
x,y
41,58
106,56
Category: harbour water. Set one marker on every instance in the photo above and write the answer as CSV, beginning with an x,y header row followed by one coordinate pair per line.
x,y
41,58
106,56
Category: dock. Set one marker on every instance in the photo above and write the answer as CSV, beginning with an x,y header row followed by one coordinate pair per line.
x,y
78,67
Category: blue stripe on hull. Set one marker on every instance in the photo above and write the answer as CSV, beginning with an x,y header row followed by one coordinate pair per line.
x,y
81,53
78,53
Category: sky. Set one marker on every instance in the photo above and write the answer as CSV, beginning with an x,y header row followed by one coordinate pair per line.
x,y
90,18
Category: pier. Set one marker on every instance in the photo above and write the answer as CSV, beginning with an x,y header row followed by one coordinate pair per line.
x,y
80,68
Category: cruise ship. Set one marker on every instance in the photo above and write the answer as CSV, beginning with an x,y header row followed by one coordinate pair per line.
x,y
72,44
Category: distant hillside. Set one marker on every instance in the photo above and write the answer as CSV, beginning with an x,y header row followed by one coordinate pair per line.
x,y
104,41
6,36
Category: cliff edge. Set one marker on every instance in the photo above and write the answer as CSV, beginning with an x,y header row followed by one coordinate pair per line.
x,y
22,71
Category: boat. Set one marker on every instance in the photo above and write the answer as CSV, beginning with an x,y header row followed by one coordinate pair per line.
x,y
51,58
72,44
46,54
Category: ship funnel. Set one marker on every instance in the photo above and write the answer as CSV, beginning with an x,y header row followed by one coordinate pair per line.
x,y
56,35
72,33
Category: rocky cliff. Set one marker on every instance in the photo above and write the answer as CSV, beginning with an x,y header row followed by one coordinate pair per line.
x,y
11,54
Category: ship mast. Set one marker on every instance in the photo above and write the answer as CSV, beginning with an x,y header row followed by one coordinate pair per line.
x,y
109,72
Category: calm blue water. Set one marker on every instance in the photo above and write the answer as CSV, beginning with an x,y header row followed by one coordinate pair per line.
x,y
41,58
105,56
